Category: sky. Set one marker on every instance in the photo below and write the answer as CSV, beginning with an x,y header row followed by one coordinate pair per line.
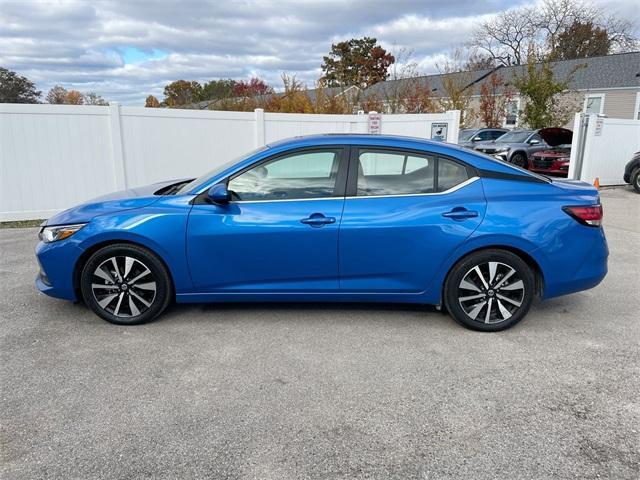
x,y
125,50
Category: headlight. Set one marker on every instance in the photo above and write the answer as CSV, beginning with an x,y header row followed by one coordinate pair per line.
x,y
59,232
503,149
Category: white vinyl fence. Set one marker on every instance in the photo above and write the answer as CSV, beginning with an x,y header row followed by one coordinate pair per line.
x,y
602,147
55,156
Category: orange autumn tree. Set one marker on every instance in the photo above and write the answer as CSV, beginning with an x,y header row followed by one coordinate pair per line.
x,y
417,97
494,98
74,97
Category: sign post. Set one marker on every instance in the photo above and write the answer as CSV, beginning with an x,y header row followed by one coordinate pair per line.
x,y
375,123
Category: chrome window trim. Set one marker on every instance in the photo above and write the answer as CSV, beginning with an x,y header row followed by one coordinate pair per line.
x,y
315,199
445,192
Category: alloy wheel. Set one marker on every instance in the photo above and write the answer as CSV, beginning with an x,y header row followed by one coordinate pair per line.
x,y
123,286
491,292
519,160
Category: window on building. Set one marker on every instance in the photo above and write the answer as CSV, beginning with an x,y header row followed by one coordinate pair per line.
x,y
594,104
511,119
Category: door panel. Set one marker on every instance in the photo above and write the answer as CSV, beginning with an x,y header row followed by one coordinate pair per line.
x,y
264,246
397,243
280,231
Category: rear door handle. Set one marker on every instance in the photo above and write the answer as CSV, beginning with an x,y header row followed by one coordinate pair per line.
x,y
318,220
460,213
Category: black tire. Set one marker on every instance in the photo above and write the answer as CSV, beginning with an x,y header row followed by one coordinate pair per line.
x,y
520,160
635,179
137,292
504,312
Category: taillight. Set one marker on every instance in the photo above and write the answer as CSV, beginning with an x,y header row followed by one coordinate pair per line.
x,y
590,215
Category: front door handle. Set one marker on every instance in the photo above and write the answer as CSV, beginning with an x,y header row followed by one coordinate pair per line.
x,y
318,220
460,213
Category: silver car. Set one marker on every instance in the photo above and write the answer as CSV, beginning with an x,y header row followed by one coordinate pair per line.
x,y
515,147
469,137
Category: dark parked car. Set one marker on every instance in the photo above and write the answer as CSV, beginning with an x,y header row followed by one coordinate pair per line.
x,y
632,172
469,137
554,161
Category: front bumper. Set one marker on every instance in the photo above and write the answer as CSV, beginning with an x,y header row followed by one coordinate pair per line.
x,y
57,262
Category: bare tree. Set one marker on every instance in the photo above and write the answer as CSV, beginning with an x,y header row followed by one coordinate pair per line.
x,y
511,36
57,95
92,98
507,38
457,87
398,85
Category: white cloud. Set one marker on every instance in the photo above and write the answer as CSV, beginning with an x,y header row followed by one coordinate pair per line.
x,y
80,44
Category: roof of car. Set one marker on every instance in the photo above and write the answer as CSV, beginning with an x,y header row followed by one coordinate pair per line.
x,y
345,138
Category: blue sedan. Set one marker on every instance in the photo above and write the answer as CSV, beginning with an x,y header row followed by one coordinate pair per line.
x,y
333,218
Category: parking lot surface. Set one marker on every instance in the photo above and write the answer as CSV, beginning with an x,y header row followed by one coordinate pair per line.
x,y
323,391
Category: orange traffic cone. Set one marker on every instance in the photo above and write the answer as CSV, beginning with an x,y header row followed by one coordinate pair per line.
x,y
596,183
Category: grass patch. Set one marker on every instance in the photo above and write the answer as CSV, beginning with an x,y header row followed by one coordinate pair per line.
x,y
21,224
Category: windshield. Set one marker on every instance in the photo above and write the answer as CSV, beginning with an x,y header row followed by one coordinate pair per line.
x,y
194,184
466,134
514,137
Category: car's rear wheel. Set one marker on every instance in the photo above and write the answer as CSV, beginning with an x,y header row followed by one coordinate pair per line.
x,y
635,179
125,284
520,160
490,290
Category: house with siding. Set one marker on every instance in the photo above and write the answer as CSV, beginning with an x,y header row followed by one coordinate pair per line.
x,y
607,85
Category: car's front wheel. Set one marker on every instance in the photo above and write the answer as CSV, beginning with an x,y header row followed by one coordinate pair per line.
x,y
490,290
125,284
520,160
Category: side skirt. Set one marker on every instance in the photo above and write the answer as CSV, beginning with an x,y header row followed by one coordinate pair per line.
x,y
303,297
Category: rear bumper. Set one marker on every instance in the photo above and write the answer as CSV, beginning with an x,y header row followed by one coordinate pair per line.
x,y
589,272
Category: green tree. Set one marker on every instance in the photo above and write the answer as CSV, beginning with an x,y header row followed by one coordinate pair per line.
x,y
359,61
581,40
182,92
541,91
217,89
15,88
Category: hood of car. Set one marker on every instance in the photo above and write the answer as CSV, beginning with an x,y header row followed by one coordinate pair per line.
x,y
113,202
556,136
493,146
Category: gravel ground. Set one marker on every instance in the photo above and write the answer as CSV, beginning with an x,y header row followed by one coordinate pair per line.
x,y
323,391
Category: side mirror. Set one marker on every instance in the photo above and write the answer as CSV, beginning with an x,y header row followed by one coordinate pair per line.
x,y
476,139
534,142
219,194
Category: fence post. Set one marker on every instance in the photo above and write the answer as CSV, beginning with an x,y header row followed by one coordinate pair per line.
x,y
117,148
259,118
454,127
